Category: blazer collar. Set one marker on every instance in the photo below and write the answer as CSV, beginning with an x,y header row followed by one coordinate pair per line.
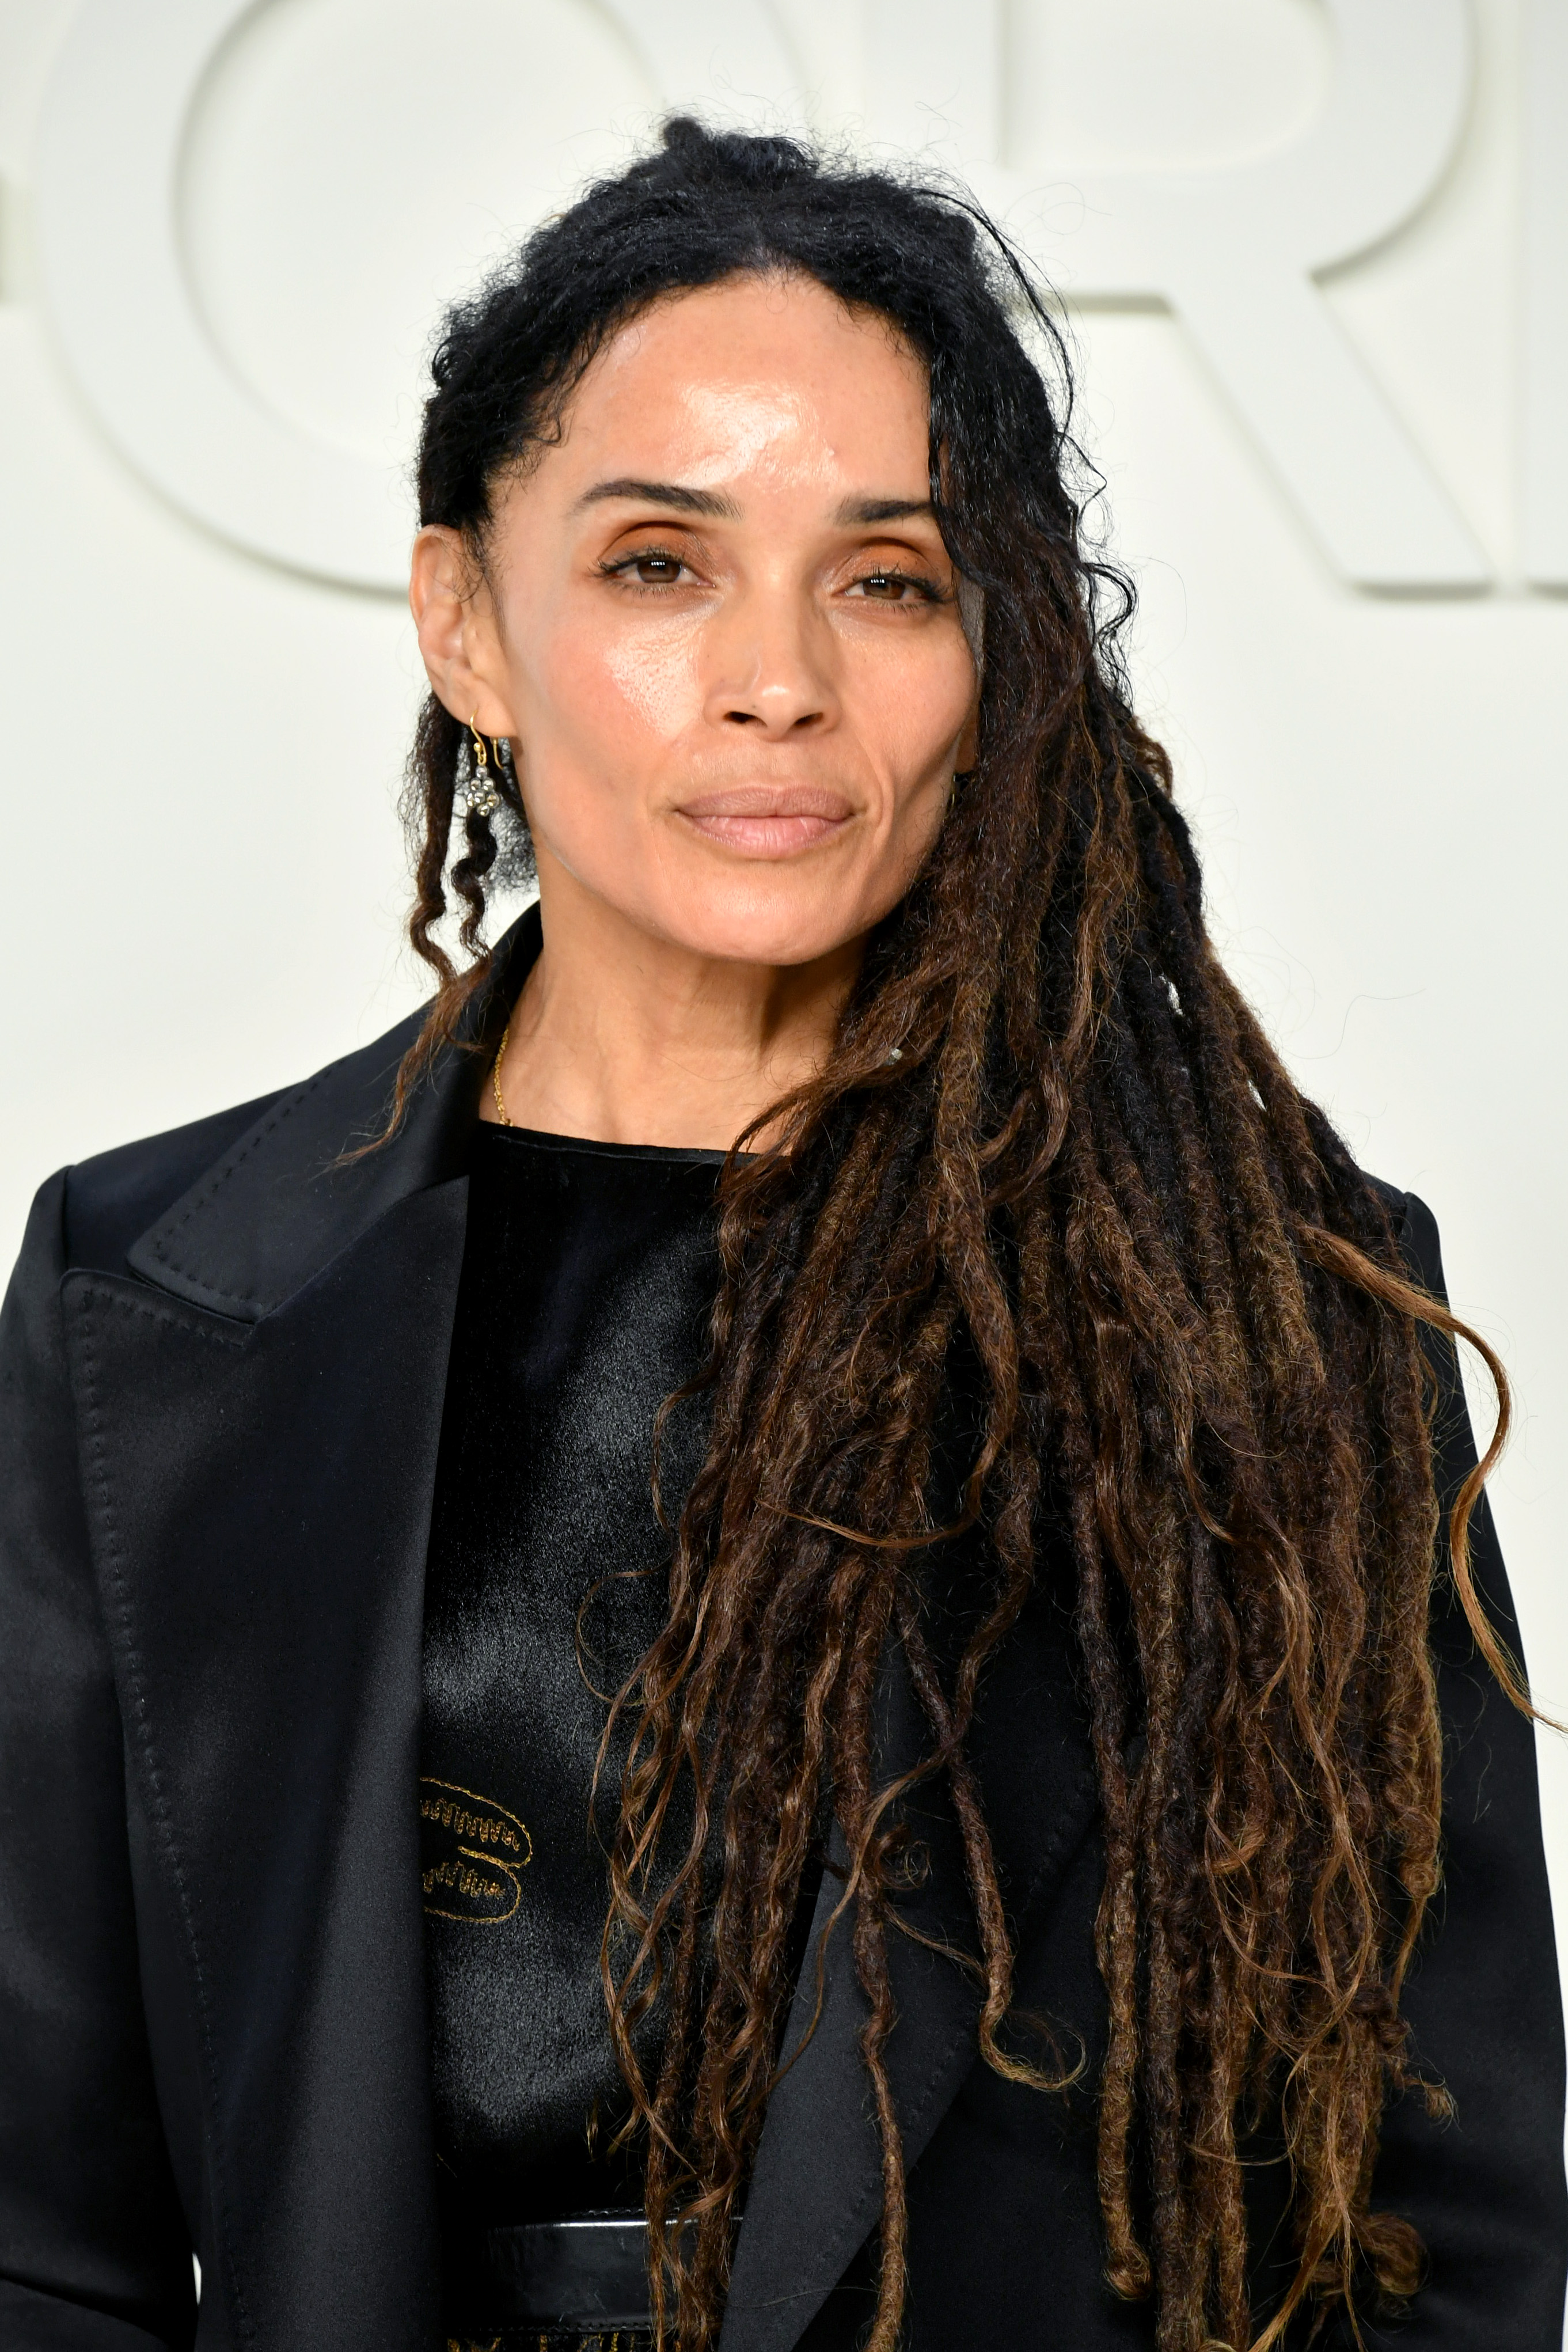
x,y
260,1436
281,1203
258,1498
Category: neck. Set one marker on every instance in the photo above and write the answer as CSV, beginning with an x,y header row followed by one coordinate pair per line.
x,y
621,1036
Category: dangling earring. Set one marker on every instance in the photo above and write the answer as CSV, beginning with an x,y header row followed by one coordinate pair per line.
x,y
480,796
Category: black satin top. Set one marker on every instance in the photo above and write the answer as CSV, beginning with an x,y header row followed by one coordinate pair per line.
x,y
589,1274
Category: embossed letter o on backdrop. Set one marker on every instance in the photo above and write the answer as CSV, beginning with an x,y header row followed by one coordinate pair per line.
x,y
119,294
1234,252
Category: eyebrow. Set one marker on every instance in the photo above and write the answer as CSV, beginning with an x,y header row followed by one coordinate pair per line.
x,y
664,494
883,510
686,500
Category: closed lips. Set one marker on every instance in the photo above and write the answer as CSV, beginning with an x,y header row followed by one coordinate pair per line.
x,y
769,820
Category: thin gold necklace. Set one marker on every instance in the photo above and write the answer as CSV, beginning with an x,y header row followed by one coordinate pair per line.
x,y
502,1113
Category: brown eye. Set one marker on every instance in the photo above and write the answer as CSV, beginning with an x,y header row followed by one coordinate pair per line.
x,y
656,571
887,587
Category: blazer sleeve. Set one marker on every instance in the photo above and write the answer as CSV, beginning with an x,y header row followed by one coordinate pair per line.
x,y
95,2254
1485,2190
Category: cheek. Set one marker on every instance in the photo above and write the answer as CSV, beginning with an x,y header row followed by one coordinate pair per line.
x,y
600,709
617,696
654,678
910,714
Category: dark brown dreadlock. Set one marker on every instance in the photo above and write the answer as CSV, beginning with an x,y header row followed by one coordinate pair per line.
x,y
1188,1313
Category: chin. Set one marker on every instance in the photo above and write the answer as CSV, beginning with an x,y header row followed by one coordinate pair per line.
x,y
764,927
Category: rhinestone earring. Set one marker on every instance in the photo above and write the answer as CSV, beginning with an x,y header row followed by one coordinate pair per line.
x,y
480,797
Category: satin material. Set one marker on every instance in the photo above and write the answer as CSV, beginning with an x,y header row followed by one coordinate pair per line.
x,y
588,1282
584,2274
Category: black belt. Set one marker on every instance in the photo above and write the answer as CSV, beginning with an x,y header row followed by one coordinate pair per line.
x,y
565,2274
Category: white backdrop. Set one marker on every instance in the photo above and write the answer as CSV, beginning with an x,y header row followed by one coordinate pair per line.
x,y
1316,258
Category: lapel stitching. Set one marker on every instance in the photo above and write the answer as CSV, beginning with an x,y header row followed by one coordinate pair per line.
x,y
283,1200
1060,1846
158,1242
82,1295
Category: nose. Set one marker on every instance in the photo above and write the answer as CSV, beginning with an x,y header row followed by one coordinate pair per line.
x,y
771,665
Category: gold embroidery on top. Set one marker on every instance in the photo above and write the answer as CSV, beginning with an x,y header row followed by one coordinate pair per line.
x,y
492,1846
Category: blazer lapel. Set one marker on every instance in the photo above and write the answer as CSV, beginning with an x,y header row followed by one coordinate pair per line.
x,y
259,1504
816,2188
259,1419
284,1200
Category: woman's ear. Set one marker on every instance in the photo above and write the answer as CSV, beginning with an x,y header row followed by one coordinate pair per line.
x,y
459,642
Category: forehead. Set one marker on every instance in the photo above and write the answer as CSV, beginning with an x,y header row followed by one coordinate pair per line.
x,y
763,372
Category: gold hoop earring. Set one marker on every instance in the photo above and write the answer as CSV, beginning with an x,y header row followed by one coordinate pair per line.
x,y
480,797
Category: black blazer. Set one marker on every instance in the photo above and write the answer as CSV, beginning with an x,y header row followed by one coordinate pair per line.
x,y
223,1361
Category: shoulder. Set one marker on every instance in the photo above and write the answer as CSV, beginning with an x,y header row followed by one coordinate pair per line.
x,y
108,1199
1416,1231
109,1202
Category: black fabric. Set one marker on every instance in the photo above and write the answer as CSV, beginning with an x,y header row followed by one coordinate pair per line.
x,y
589,1275
528,2338
590,2273
214,1527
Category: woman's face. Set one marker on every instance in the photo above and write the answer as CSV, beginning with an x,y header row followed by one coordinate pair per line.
x,y
720,627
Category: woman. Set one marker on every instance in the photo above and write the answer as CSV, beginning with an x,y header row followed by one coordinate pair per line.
x,y
835,1353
